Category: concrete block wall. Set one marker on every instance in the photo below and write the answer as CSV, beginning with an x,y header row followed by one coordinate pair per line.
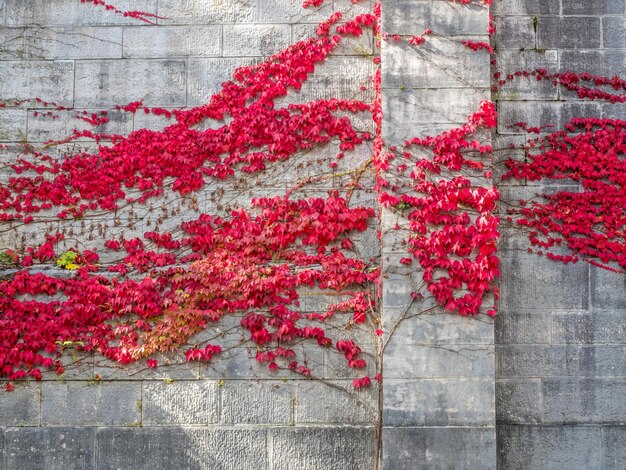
x,y
439,389
560,342
231,414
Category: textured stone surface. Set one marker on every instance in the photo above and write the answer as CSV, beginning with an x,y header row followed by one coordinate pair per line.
x,y
439,402
329,448
439,448
543,447
181,402
52,447
22,407
173,41
81,404
50,81
107,83
263,402
176,447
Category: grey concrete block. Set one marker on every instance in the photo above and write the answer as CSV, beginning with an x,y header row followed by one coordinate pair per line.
x,y
564,33
526,7
68,12
605,63
84,404
541,283
438,63
322,403
73,43
418,113
50,81
515,32
203,12
443,329
549,447
607,289
273,402
613,449
172,41
598,7
584,400
21,407
573,328
439,402
207,75
181,402
443,17
291,11
602,361
328,448
432,361
536,360
178,447
439,448
255,40
49,448
42,128
518,401
12,125
111,82
614,32
525,328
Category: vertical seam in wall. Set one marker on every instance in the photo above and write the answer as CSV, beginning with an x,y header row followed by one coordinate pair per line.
x,y
269,445
75,64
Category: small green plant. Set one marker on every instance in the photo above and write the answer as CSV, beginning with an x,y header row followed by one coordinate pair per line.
x,y
9,258
68,260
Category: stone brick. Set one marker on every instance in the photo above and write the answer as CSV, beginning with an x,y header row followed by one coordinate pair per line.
x,y
255,40
602,361
322,403
291,11
526,7
573,328
273,402
328,448
418,113
518,401
83,404
515,32
514,328
584,400
542,283
207,75
439,448
74,43
21,408
166,448
12,125
432,361
49,448
607,289
606,63
597,7
564,33
446,329
614,32
613,449
42,127
203,12
107,83
439,402
438,63
549,447
68,12
443,17
181,402
172,41
50,81
536,360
